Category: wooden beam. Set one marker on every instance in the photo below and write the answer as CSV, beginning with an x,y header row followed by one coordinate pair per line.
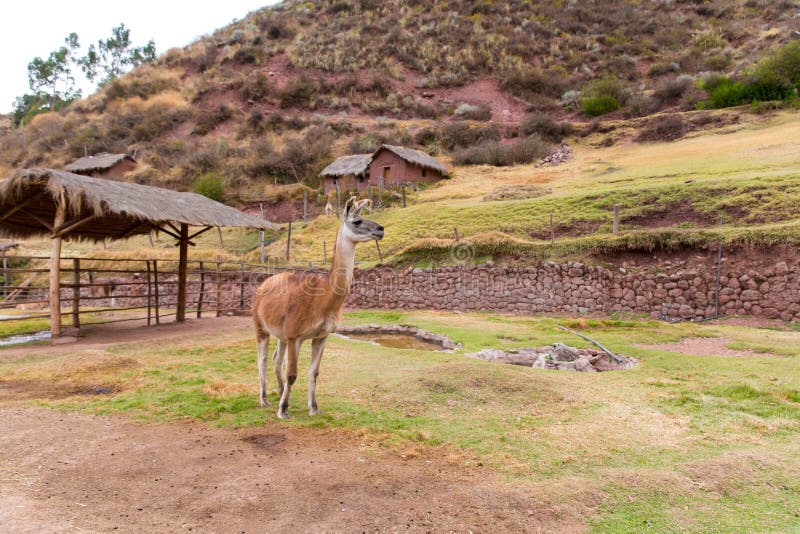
x,y
64,229
204,230
55,275
131,230
42,221
180,312
18,207
169,233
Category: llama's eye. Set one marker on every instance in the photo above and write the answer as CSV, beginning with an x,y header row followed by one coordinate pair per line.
x,y
357,222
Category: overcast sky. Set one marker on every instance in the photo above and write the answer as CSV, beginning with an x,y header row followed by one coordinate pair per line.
x,y
38,28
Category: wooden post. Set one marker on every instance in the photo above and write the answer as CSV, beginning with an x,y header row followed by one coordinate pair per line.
x,y
377,244
338,199
5,276
261,235
552,231
202,290
324,253
455,230
149,292
155,290
76,293
288,241
615,229
55,274
183,245
305,206
403,189
241,285
219,287
150,237
219,232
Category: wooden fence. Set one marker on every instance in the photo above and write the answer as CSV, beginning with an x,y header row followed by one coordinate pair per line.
x,y
104,290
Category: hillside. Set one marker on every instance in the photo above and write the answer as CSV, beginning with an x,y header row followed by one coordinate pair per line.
x,y
274,97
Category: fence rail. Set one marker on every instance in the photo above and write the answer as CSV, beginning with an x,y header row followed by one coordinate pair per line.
x,y
112,290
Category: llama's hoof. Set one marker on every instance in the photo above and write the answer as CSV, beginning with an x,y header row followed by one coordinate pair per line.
x,y
264,402
314,411
284,415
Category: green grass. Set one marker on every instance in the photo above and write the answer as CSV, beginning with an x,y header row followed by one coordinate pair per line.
x,y
717,435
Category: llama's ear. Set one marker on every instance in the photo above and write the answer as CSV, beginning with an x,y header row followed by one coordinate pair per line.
x,y
348,207
358,206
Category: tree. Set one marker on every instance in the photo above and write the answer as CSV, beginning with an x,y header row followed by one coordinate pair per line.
x,y
51,81
112,57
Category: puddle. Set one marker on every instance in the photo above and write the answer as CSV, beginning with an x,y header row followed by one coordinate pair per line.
x,y
25,338
399,337
397,341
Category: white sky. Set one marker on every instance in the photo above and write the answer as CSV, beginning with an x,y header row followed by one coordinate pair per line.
x,y
30,30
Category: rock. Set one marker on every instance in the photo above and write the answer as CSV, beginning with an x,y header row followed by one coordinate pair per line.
x,y
563,353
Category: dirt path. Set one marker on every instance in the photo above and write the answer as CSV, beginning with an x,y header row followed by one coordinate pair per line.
x,y
64,472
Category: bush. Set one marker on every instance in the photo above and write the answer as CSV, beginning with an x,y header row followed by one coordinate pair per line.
x,y
546,128
494,153
210,185
527,83
724,92
673,88
457,134
297,93
783,68
481,112
207,121
594,106
666,128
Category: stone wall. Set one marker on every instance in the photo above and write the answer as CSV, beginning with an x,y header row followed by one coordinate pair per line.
x,y
771,292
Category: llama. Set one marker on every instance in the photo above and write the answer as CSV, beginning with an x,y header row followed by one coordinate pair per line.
x,y
295,307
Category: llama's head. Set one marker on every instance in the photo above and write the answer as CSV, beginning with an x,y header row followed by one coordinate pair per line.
x,y
354,227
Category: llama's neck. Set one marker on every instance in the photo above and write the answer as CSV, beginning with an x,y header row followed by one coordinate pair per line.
x,y
341,273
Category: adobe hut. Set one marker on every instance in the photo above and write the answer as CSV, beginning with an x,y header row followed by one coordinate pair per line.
x,y
103,165
351,173
394,165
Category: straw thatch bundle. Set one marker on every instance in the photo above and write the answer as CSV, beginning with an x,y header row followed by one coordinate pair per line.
x,y
345,165
29,198
98,162
414,156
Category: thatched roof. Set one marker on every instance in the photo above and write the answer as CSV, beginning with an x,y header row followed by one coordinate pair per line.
x,y
98,162
115,210
345,165
414,156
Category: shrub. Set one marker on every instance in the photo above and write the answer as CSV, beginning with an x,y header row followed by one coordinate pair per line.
x,y
782,68
666,128
494,153
207,121
528,82
673,88
481,112
255,88
546,128
594,106
210,185
724,92
297,93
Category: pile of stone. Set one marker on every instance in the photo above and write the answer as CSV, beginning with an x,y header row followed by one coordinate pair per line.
x,y
561,155
423,335
559,357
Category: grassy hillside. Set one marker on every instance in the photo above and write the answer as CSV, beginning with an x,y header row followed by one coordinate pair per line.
x,y
739,185
277,95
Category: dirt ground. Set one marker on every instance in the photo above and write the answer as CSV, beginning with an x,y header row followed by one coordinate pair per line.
x,y
62,472
705,346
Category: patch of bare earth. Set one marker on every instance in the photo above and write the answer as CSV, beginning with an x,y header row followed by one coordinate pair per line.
x,y
705,346
65,472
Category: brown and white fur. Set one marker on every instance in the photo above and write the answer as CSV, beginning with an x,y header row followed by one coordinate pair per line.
x,y
295,307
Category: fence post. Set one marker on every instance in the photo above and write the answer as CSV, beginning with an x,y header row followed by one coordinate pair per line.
x,y
241,285
305,205
324,253
616,219
5,276
149,292
380,256
552,232
219,288
202,290
338,199
455,231
403,189
288,241
155,289
76,293
261,235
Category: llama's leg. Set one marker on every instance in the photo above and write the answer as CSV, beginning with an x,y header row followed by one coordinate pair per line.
x,y
317,347
262,339
277,358
293,348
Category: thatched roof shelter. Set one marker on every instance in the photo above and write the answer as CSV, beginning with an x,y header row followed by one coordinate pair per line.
x,y
356,165
108,209
62,205
98,162
416,157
